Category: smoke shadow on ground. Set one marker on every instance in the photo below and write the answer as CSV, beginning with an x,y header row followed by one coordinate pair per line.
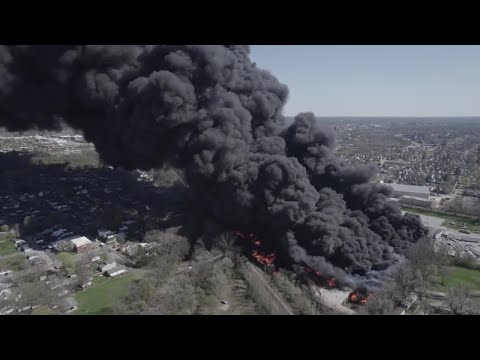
x,y
87,199
14,160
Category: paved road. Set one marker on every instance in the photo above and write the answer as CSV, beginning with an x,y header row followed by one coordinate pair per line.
x,y
467,237
437,221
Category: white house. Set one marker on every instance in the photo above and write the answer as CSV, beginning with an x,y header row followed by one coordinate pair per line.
x,y
116,271
107,266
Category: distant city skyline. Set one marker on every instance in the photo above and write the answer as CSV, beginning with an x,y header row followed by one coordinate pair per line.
x,y
376,80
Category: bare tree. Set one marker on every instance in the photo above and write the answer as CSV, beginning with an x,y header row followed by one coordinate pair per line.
x,y
457,298
404,280
300,300
443,271
178,296
35,293
161,270
384,302
139,295
139,257
82,271
226,243
65,246
423,279
172,247
68,261
443,261
422,253
425,305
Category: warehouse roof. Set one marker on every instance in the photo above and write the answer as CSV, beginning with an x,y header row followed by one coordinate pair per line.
x,y
410,188
80,241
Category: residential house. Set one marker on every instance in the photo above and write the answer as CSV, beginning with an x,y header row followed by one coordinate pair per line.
x,y
107,236
106,266
68,304
409,301
116,271
87,283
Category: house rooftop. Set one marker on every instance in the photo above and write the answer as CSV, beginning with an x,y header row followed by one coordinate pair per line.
x,y
68,303
116,269
79,241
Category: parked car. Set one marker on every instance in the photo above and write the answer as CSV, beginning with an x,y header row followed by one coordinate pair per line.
x,y
20,243
66,235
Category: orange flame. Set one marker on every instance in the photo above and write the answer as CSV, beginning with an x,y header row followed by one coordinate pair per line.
x,y
263,259
258,256
356,298
331,282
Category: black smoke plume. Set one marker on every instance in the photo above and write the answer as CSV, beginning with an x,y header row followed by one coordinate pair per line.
x,y
212,112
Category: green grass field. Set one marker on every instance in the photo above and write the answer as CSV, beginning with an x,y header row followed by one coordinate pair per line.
x,y
460,276
7,246
12,263
473,224
98,299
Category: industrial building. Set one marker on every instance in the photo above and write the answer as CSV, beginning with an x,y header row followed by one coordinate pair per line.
x,y
81,244
410,190
415,201
412,195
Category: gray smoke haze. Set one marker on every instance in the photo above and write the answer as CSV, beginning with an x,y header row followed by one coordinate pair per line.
x,y
209,110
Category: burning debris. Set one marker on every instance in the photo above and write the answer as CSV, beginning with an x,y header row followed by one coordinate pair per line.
x,y
320,278
259,256
207,109
262,258
359,296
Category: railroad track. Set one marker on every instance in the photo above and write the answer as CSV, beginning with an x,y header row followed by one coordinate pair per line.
x,y
286,310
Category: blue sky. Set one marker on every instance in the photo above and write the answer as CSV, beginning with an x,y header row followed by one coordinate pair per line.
x,y
381,80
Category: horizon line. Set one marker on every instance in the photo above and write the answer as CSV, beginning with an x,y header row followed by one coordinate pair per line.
x,y
394,116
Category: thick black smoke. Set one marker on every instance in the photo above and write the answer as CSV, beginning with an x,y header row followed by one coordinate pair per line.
x,y
211,111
